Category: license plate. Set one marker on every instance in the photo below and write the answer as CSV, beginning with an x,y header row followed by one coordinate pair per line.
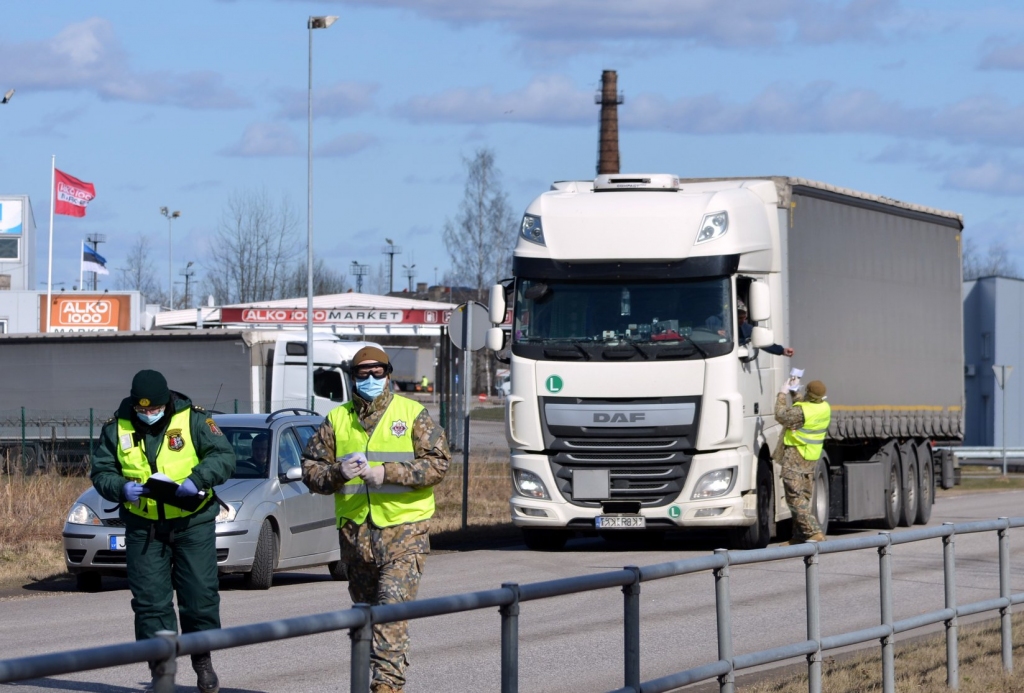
x,y
116,542
620,522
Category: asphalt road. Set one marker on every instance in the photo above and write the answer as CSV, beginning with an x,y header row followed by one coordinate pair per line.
x,y
570,643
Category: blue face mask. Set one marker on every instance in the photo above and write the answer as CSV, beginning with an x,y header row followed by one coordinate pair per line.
x,y
371,387
150,418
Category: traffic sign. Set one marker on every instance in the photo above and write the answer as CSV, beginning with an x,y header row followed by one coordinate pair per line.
x,y
479,324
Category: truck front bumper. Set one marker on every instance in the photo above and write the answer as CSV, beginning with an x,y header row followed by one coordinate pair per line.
x,y
735,508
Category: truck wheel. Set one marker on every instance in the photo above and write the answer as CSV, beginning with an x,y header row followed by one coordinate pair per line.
x,y
339,571
89,582
757,535
893,496
261,577
820,496
909,489
544,539
926,481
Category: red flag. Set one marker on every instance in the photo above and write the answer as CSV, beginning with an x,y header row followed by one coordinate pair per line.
x,y
71,195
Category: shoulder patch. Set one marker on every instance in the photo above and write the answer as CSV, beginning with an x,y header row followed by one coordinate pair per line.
x,y
213,427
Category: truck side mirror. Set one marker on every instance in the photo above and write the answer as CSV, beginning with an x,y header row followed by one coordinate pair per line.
x,y
761,337
496,308
495,339
759,302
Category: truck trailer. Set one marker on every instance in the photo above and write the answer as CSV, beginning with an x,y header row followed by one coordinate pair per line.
x,y
62,387
635,403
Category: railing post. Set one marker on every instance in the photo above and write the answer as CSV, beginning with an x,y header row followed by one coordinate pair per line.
x,y
362,644
885,593
510,641
164,669
1004,592
631,631
727,681
813,621
949,580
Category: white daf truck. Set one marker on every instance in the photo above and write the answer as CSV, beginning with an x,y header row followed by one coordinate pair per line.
x,y
637,404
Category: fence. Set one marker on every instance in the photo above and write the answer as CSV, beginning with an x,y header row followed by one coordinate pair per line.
x,y
359,619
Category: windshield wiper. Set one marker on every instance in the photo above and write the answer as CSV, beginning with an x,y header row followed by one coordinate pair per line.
x,y
555,350
696,346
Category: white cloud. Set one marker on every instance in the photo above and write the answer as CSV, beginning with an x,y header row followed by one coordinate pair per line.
x,y
341,100
266,139
87,56
997,176
1003,57
346,145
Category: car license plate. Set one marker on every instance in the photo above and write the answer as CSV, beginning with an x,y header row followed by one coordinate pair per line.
x,y
620,522
116,542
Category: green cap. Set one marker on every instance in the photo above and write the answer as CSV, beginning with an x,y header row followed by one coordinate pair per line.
x,y
149,389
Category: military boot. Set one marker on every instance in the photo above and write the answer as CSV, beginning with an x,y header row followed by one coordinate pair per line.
x,y
817,536
206,677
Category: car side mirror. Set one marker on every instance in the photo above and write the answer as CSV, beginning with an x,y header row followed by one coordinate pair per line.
x,y
761,337
293,474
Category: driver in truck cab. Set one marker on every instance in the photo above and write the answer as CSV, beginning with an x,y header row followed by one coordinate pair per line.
x,y
746,330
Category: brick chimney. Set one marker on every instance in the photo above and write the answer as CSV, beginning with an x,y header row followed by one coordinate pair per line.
x,y
609,99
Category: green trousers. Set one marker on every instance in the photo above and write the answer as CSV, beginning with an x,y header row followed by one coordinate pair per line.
x,y
168,557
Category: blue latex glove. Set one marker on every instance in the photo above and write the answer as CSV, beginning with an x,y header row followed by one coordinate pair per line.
x,y
187,488
132,491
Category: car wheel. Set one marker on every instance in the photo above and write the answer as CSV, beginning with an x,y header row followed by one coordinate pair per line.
x,y
89,582
926,479
909,490
757,535
544,539
339,571
894,496
262,574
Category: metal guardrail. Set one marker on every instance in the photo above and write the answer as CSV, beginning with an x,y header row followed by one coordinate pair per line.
x,y
983,456
360,619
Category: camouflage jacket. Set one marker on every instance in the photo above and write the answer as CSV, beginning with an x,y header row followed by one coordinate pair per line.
x,y
792,419
322,474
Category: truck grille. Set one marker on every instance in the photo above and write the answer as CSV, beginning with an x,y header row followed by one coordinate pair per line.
x,y
649,485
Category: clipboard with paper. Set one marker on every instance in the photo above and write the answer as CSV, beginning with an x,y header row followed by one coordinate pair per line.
x,y
162,488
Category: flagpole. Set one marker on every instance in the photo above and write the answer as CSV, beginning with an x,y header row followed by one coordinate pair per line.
x,y
49,263
81,268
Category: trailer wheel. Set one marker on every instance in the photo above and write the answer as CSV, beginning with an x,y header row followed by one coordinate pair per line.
x,y
926,480
894,497
759,534
544,539
261,576
910,488
820,497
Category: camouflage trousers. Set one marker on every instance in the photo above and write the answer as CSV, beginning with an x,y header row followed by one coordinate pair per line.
x,y
384,567
798,481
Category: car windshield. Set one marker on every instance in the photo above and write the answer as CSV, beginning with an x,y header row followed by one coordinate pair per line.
x,y
691,317
252,451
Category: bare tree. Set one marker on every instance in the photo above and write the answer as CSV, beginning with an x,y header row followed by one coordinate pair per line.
x,y
377,281
326,280
995,263
252,250
481,238
137,273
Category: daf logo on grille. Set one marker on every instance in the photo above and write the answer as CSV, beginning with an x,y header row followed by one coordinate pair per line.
x,y
618,417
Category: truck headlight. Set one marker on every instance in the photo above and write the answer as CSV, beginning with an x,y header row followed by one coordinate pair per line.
x,y
716,483
712,226
529,484
531,229
82,514
228,514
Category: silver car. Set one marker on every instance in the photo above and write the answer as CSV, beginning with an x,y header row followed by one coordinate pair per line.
x,y
274,522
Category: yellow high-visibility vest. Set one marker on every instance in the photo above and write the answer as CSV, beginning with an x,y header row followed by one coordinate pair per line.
x,y
809,440
176,458
391,504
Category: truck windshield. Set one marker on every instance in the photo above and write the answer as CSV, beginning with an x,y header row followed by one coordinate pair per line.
x,y
623,320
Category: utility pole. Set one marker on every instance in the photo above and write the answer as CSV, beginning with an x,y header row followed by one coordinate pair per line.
x,y
391,250
188,273
94,239
609,99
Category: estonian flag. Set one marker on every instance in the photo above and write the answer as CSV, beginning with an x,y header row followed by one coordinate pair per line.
x,y
93,261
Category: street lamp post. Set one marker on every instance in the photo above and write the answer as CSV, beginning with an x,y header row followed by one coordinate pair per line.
x,y
410,273
311,23
359,271
391,250
171,216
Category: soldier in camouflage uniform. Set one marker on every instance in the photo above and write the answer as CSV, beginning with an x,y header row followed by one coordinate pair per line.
x,y
381,470
798,452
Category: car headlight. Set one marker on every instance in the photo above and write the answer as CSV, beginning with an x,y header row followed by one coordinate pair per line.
x,y
531,229
716,483
228,514
82,514
712,226
529,484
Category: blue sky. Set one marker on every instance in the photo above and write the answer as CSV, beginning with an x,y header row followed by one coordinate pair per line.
x,y
916,100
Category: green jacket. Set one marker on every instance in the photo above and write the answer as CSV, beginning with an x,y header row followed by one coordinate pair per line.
x,y
216,465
